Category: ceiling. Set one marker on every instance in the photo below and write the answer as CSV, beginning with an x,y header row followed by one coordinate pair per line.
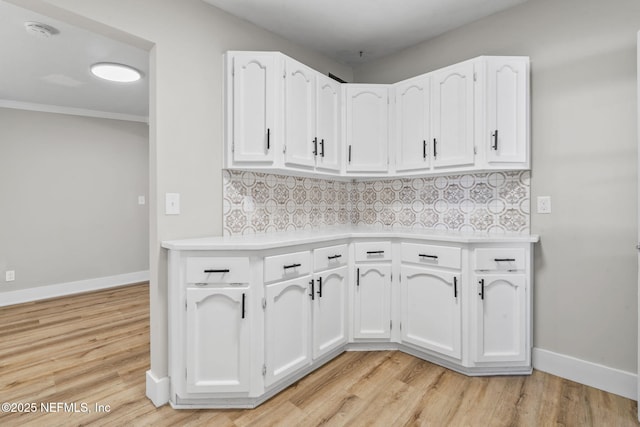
x,y
38,72
357,31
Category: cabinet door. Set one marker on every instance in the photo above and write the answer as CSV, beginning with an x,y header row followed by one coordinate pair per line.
x,y
412,128
288,328
218,340
330,311
507,112
372,309
452,113
328,131
367,124
431,310
300,108
501,318
255,107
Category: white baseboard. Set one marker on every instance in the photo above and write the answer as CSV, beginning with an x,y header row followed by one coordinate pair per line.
x,y
592,374
61,289
157,389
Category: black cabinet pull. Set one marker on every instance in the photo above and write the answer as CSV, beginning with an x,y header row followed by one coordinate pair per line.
x,y
322,148
481,282
428,256
244,297
495,140
358,277
286,267
315,146
312,294
504,259
374,252
435,150
268,139
349,154
424,149
226,270
455,287
334,256
319,287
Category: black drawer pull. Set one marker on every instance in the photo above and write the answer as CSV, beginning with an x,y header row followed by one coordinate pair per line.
x,y
312,294
334,256
322,148
428,256
244,297
226,270
495,140
320,287
358,277
374,252
268,139
504,259
286,267
481,283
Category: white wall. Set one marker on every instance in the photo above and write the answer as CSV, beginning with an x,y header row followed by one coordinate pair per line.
x,y
188,38
69,190
583,73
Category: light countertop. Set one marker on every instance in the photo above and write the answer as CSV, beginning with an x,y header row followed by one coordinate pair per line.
x,y
289,238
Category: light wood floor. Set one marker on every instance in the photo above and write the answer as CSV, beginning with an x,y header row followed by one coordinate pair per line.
x,y
94,349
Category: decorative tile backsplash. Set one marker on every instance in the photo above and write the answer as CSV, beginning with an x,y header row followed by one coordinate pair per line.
x,y
495,203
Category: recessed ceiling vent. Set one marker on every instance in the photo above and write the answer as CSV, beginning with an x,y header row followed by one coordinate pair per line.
x,y
40,29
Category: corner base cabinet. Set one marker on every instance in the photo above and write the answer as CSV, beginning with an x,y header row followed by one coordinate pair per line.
x,y
249,317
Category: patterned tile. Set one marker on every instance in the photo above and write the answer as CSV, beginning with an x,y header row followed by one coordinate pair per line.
x,y
495,203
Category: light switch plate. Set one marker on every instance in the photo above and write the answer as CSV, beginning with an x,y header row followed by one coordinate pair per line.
x,y
9,276
172,204
141,200
544,204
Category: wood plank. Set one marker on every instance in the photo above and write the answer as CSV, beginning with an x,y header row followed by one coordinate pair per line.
x,y
94,348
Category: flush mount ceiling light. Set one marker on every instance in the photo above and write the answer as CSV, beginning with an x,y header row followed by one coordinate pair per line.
x,y
115,72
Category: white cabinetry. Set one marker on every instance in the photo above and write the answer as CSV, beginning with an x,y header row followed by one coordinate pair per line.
x,y
287,326
505,101
218,346
330,299
501,310
372,293
452,115
253,108
312,118
431,298
287,314
412,120
367,127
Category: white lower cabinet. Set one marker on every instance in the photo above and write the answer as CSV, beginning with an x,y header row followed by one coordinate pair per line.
x,y
329,311
500,318
372,301
218,344
245,324
431,310
287,325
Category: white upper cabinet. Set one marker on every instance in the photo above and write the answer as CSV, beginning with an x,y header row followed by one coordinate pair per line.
x,y
285,117
506,136
367,127
452,115
412,128
254,100
312,118
300,114
328,125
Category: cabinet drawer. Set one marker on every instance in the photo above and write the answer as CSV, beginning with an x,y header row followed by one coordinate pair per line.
x,y
433,255
331,257
217,270
287,266
500,259
373,251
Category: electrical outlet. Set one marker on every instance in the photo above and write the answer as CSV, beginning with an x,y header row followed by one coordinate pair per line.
x,y
9,276
141,200
544,204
